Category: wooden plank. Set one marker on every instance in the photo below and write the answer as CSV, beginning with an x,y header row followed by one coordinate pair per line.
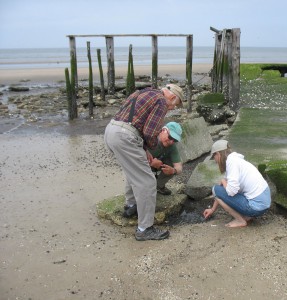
x,y
128,35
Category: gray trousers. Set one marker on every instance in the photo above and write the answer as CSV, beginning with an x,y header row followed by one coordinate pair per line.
x,y
127,147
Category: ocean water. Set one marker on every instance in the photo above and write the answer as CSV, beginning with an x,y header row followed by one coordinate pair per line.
x,y
60,57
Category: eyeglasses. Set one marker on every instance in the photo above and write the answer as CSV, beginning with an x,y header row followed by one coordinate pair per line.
x,y
172,139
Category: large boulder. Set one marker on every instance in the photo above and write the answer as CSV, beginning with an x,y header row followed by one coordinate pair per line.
x,y
196,139
202,179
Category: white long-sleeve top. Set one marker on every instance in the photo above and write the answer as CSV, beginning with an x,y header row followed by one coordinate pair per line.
x,y
243,177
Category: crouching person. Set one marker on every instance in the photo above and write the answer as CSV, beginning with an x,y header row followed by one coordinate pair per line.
x,y
243,193
166,160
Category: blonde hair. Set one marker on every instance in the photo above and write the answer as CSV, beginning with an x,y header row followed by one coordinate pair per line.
x,y
223,157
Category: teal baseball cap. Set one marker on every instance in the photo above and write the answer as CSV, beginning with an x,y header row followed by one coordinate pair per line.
x,y
175,130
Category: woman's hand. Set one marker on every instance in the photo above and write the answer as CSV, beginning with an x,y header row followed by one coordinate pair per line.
x,y
207,213
223,182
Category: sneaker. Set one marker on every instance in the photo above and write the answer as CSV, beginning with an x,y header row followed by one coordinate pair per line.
x,y
164,190
130,211
151,233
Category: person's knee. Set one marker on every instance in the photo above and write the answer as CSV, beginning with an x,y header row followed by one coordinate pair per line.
x,y
217,190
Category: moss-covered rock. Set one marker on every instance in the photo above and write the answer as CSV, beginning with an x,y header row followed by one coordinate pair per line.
x,y
203,178
112,209
211,99
260,134
211,107
276,171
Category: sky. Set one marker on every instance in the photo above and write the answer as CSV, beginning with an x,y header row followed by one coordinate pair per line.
x,y
46,23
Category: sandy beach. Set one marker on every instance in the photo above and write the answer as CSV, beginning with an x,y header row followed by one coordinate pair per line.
x,y
54,246
58,74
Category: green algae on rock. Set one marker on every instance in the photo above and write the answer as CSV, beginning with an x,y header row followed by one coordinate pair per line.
x,y
112,209
276,171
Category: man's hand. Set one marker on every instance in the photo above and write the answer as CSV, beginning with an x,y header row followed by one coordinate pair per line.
x,y
156,163
168,170
149,157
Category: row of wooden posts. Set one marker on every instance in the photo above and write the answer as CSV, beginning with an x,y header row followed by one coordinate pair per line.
x,y
225,72
72,80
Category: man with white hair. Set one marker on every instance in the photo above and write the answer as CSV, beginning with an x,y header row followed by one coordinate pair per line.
x,y
133,130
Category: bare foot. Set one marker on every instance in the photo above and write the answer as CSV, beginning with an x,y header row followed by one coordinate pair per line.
x,y
248,219
235,223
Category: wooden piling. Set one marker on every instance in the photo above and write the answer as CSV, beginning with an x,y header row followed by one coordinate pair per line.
x,y
189,53
91,86
234,93
154,61
73,54
101,75
111,64
226,65
130,83
74,108
69,92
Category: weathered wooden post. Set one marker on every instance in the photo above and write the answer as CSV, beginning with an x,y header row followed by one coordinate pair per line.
x,y
217,63
154,61
73,56
91,87
234,91
189,52
101,75
226,65
111,64
130,84
69,93
74,108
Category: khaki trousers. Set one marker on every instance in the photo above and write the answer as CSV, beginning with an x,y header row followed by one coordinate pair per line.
x,y
126,144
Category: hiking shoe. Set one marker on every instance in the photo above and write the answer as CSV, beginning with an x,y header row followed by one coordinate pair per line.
x,y
164,190
151,233
130,211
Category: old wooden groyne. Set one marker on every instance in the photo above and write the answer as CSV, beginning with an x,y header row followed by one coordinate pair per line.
x,y
225,73
154,42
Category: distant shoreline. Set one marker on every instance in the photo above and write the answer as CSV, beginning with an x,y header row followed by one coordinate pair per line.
x,y
54,75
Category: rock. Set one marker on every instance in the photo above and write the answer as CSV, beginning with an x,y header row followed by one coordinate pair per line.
x,y
112,209
112,101
19,88
196,139
276,172
216,129
203,178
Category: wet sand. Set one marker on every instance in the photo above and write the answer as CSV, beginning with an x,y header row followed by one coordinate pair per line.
x,y
58,74
53,245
